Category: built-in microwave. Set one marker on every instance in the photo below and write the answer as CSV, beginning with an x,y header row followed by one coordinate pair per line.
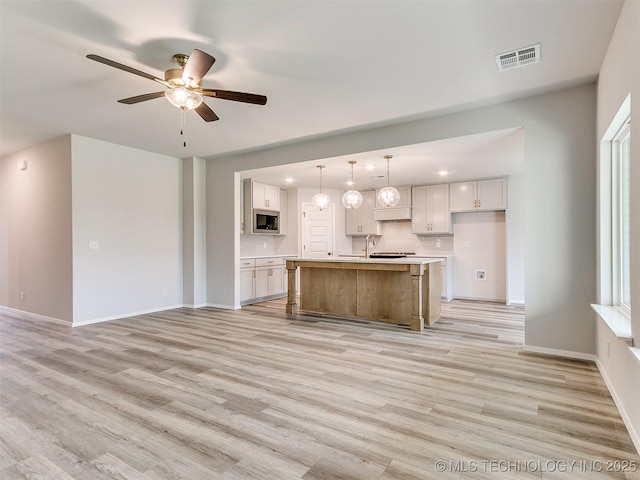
x,y
266,221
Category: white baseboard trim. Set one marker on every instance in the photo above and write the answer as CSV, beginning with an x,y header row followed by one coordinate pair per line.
x,y
516,303
124,315
633,433
199,305
224,307
560,353
33,316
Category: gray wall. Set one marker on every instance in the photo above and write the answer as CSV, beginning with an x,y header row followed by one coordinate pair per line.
x,y
194,255
620,76
130,201
35,230
560,203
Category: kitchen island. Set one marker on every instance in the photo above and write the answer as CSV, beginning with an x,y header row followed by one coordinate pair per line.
x,y
396,290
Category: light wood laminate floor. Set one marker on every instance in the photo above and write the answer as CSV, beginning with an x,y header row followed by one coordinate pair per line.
x,y
255,394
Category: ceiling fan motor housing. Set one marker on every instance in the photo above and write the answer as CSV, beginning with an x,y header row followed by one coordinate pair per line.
x,y
174,76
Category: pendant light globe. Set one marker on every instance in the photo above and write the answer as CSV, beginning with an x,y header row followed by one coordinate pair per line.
x,y
320,200
388,196
352,198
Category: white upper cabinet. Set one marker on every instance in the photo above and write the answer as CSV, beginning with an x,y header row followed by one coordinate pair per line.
x,y
478,195
431,210
266,197
360,221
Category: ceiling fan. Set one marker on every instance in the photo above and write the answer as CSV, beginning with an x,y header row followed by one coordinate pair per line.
x,y
184,85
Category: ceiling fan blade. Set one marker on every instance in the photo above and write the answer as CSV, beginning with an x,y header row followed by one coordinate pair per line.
x,y
196,67
206,113
235,96
141,98
126,68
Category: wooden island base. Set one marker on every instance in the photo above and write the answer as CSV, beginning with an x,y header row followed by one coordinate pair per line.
x,y
405,291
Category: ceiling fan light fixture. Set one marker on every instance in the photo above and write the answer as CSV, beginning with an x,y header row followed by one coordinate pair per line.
x,y
183,98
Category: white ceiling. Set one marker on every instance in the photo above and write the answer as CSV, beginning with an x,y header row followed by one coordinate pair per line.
x,y
480,156
325,66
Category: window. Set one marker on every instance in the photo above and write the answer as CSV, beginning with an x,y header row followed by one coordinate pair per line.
x,y
614,217
621,215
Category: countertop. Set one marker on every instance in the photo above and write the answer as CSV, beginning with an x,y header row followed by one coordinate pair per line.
x,y
443,255
399,261
282,255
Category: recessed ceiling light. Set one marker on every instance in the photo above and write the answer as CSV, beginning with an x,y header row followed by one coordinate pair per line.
x,y
370,167
442,173
288,179
350,182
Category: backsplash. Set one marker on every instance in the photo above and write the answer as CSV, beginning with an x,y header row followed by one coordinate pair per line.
x,y
398,237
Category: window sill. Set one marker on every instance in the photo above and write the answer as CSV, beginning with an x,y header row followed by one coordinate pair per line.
x,y
619,324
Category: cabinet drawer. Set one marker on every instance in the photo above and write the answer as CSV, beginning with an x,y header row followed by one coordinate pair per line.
x,y
247,263
268,261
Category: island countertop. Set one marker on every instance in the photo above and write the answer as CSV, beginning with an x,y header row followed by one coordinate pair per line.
x,y
401,260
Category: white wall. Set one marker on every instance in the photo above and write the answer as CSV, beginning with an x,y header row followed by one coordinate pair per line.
x,y
130,201
619,76
515,225
35,230
479,243
559,153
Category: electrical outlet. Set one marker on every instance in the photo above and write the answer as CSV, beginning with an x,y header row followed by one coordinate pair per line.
x,y
94,245
438,243
481,275
165,292
21,295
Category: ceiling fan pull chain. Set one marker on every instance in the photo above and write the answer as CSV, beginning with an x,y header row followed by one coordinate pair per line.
x,y
183,124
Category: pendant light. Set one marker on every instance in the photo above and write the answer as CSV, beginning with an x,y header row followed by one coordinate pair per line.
x,y
352,198
320,200
388,196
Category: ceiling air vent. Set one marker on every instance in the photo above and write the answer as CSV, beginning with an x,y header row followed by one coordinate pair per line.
x,y
518,58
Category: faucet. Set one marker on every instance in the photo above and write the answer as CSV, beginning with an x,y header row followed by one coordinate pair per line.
x,y
366,244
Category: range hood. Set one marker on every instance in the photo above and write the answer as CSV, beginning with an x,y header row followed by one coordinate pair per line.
x,y
392,213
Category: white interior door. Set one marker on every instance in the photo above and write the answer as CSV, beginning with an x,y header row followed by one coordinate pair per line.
x,y
317,231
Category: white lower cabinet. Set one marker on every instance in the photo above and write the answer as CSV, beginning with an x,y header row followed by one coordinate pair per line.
x,y
261,278
247,279
446,274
